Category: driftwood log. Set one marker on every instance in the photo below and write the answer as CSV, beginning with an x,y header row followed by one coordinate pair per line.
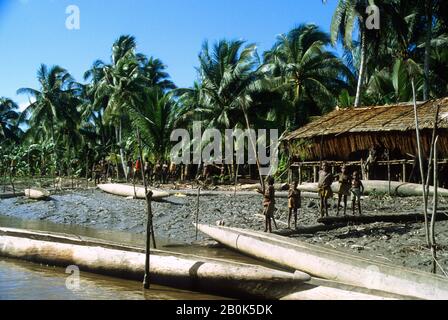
x,y
367,219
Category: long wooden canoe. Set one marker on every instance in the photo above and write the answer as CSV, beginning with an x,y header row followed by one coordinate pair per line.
x,y
167,268
375,186
331,264
125,190
367,219
37,193
11,195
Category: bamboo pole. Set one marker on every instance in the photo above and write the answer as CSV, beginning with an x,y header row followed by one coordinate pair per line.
x,y
420,158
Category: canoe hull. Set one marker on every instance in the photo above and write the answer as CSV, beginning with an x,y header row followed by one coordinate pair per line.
x,y
37,194
177,270
129,191
331,264
373,186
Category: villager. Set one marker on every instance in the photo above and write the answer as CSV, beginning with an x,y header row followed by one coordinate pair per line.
x,y
269,204
165,171
357,191
344,189
294,203
98,172
129,168
158,172
325,181
148,170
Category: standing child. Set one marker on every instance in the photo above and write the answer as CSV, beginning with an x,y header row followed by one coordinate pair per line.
x,y
357,191
344,189
325,181
294,203
269,204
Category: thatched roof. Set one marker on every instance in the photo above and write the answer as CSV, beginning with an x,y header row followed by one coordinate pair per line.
x,y
398,118
343,133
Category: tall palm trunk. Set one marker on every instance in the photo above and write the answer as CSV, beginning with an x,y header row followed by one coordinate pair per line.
x,y
362,68
118,133
428,7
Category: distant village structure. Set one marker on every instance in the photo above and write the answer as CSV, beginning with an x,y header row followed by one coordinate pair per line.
x,y
378,141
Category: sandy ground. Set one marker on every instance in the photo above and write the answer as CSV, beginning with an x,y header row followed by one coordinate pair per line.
x,y
401,244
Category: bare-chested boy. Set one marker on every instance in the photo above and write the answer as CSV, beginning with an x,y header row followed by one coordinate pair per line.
x,y
357,191
294,203
325,181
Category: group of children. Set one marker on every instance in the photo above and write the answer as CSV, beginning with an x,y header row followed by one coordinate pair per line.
x,y
348,185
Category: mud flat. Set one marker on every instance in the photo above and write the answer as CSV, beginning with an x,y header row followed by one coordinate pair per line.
x,y
398,243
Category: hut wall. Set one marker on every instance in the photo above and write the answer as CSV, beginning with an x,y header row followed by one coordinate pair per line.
x,y
341,147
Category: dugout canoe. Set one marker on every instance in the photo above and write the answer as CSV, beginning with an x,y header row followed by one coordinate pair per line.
x,y
37,193
187,271
375,186
125,190
331,264
388,218
11,195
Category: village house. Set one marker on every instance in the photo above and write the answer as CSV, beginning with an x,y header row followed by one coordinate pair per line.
x,y
378,141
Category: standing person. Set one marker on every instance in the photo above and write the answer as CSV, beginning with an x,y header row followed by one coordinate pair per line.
x,y
137,170
148,170
129,169
269,204
325,181
158,172
357,191
165,171
345,185
294,203
98,172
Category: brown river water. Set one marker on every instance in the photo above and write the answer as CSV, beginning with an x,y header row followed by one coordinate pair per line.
x,y
21,280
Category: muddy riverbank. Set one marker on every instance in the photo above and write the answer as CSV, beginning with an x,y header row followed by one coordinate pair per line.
x,y
401,244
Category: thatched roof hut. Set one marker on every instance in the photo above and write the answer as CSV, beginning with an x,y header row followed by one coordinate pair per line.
x,y
346,134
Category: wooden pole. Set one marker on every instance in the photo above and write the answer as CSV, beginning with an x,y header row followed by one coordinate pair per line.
x,y
403,172
149,229
433,139
388,172
197,212
149,223
420,160
435,205
236,176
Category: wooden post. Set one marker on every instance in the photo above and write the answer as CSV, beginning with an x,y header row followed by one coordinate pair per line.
x,y
149,231
149,224
434,212
300,174
403,178
388,172
236,177
197,211
315,174
420,160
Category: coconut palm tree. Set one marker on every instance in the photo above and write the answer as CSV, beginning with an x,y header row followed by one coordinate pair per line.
x,y
226,74
310,76
8,119
155,118
119,87
154,73
55,103
351,15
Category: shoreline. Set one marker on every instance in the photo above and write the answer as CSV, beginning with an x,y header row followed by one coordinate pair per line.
x,y
399,243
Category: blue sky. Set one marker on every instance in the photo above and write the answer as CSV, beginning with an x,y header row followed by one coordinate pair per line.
x,y
33,32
